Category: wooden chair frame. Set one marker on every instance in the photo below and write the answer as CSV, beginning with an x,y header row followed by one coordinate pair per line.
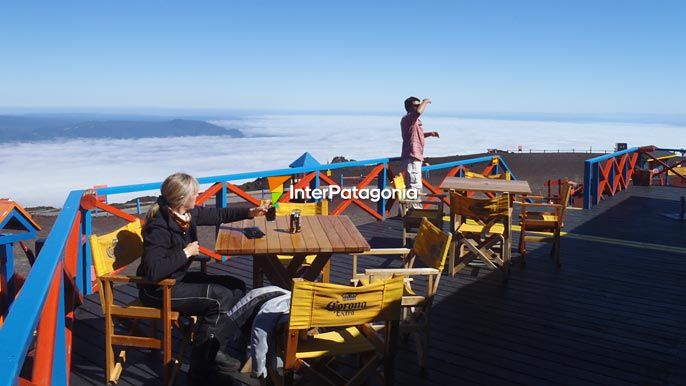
x,y
129,315
433,210
469,246
535,221
416,307
382,353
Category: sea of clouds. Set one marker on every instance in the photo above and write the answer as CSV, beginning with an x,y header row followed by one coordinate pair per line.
x,y
43,173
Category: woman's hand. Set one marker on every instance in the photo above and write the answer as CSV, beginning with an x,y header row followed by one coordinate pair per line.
x,y
192,249
260,210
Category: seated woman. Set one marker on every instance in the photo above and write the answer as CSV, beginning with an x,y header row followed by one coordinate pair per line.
x,y
170,239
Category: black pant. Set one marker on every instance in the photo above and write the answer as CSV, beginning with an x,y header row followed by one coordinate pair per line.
x,y
209,297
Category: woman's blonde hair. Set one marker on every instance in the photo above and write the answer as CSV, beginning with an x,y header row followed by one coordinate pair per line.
x,y
175,191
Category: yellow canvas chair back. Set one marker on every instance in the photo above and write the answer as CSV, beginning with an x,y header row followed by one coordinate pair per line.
x,y
431,245
501,176
350,310
320,208
399,182
566,194
480,208
399,185
333,305
306,208
111,253
115,250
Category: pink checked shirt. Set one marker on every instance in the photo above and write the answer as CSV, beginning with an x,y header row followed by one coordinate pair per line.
x,y
413,136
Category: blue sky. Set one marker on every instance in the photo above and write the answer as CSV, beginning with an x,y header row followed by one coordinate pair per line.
x,y
600,56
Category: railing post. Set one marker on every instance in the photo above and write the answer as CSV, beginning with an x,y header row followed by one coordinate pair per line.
x,y
220,198
381,184
59,361
78,270
597,194
83,280
626,170
588,177
613,174
47,340
7,273
314,184
220,202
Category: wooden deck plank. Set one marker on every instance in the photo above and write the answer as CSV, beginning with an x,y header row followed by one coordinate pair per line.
x,y
611,315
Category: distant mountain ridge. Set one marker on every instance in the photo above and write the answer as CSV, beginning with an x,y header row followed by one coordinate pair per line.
x,y
21,128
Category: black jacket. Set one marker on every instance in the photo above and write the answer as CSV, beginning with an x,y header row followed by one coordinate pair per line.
x,y
164,241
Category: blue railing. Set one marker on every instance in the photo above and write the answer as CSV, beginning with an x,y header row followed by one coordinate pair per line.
x,y
663,167
500,166
608,174
44,299
16,334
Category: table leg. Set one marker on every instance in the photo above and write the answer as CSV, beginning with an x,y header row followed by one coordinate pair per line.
x,y
295,264
326,273
317,266
508,248
275,271
257,272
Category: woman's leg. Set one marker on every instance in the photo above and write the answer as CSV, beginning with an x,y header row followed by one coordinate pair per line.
x,y
209,301
230,282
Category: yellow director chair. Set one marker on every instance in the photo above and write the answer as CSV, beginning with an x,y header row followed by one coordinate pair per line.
x,y
481,231
411,214
306,209
546,217
501,176
112,252
345,313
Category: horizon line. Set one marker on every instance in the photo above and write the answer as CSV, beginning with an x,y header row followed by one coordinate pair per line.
x,y
154,110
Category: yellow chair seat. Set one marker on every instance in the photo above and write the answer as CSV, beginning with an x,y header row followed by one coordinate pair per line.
x,y
286,259
407,290
541,221
472,226
414,216
136,309
541,216
418,213
341,342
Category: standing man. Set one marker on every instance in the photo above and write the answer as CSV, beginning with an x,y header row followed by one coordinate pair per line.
x,y
412,155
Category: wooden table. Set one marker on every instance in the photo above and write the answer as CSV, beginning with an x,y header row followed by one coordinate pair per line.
x,y
320,235
486,185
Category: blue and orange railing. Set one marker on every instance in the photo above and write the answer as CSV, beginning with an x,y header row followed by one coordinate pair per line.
x,y
661,170
606,175
45,305
40,320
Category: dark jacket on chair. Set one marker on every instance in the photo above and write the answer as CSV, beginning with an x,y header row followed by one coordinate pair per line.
x,y
164,241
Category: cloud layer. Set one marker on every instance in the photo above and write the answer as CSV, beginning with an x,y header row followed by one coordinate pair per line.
x,y
43,173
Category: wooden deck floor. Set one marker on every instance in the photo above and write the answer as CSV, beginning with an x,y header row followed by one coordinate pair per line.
x,y
615,313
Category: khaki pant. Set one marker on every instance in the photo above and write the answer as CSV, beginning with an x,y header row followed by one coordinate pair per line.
x,y
413,173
